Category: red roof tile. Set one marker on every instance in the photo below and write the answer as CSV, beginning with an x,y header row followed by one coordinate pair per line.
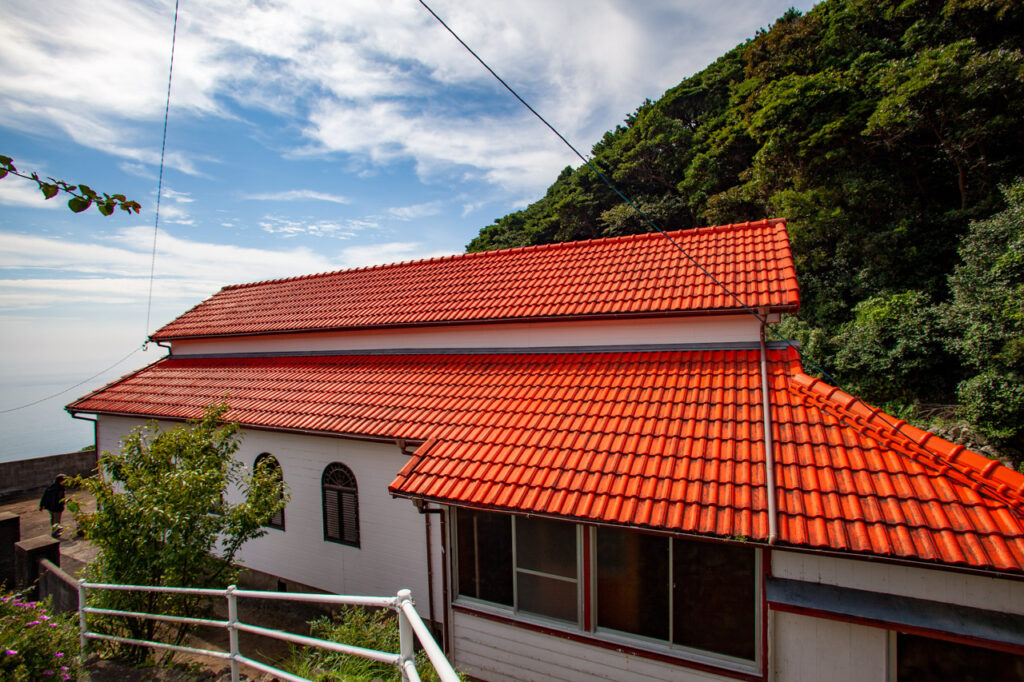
x,y
634,275
577,435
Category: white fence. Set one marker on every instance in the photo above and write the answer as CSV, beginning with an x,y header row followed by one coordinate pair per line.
x,y
410,628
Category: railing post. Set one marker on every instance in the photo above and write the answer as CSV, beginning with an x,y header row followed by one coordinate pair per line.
x,y
232,631
406,637
82,625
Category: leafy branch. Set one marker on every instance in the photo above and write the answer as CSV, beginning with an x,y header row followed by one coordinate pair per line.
x,y
82,196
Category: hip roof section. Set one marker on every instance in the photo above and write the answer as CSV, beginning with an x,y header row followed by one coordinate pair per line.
x,y
669,441
623,276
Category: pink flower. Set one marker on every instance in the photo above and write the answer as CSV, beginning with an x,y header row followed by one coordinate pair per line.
x,y
11,652
47,672
34,622
59,654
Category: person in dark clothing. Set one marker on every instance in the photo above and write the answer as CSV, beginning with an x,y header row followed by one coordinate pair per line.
x,y
53,502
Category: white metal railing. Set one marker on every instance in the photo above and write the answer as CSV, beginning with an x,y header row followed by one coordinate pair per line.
x,y
410,627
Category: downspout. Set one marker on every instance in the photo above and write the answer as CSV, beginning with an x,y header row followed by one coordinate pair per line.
x,y
769,451
95,431
422,506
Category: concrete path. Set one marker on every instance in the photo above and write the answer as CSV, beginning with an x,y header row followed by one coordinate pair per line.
x,y
75,552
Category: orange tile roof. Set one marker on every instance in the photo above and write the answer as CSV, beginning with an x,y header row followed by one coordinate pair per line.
x,y
668,440
634,275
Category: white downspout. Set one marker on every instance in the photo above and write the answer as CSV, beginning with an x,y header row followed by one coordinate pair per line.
x,y
769,452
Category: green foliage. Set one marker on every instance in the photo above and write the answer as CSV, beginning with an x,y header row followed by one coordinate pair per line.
x,y
36,645
82,196
986,314
358,627
166,516
893,349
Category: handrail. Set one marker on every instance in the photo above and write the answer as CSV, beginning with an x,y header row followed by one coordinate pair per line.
x,y
410,626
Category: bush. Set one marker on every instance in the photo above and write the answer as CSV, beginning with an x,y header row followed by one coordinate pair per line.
x,y
355,626
36,645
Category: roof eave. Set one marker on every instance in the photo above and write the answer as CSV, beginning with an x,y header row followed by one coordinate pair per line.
x,y
717,312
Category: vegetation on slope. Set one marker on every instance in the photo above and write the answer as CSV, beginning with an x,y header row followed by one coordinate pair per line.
x,y
880,129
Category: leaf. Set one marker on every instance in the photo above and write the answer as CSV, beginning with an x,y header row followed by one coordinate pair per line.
x,y
79,204
6,161
3,172
106,208
49,190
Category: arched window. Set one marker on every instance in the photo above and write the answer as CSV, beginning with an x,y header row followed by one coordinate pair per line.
x,y
270,462
341,505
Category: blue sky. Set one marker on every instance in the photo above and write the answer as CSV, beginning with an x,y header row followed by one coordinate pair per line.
x,y
303,137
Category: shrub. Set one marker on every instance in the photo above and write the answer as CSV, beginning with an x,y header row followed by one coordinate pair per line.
x,y
361,627
36,645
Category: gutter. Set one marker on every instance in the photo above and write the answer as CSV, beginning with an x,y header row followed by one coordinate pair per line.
x,y
769,450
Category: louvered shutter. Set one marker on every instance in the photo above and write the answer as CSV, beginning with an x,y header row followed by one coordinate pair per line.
x,y
331,525
350,517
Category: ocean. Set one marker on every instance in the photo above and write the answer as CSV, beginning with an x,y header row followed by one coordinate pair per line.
x,y
43,429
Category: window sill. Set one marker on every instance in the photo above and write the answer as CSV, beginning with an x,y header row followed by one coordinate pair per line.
x,y
614,641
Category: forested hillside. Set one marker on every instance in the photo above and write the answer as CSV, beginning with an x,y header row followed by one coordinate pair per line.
x,y
890,135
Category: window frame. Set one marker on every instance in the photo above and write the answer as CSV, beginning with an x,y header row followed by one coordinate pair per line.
x,y
586,628
267,456
668,646
514,609
354,490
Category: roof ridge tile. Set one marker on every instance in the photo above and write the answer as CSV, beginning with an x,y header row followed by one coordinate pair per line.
x,y
982,473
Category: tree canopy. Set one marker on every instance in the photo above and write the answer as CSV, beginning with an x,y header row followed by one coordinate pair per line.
x,y
165,515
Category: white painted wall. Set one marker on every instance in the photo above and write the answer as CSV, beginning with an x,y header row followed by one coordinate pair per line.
x,y
494,651
806,649
994,594
680,330
392,555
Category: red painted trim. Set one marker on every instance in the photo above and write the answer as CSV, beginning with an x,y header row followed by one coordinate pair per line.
x,y
613,646
588,597
907,629
766,571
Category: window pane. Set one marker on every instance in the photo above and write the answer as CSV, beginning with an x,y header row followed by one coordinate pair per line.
x,y
632,582
547,596
714,597
923,659
546,546
485,555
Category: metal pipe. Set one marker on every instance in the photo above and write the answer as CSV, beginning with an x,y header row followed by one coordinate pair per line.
x,y
406,637
233,631
445,640
769,453
372,654
441,664
430,562
83,627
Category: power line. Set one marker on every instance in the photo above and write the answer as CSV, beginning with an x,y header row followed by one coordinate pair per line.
x,y
69,388
649,221
160,181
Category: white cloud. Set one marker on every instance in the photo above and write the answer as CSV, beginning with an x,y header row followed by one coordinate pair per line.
x,y
290,227
378,79
415,211
299,195
15,191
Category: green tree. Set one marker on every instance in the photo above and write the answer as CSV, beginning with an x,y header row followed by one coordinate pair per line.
x,y
893,350
166,517
987,316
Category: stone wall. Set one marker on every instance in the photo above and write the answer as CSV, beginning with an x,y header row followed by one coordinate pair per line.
x,y
54,582
37,473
